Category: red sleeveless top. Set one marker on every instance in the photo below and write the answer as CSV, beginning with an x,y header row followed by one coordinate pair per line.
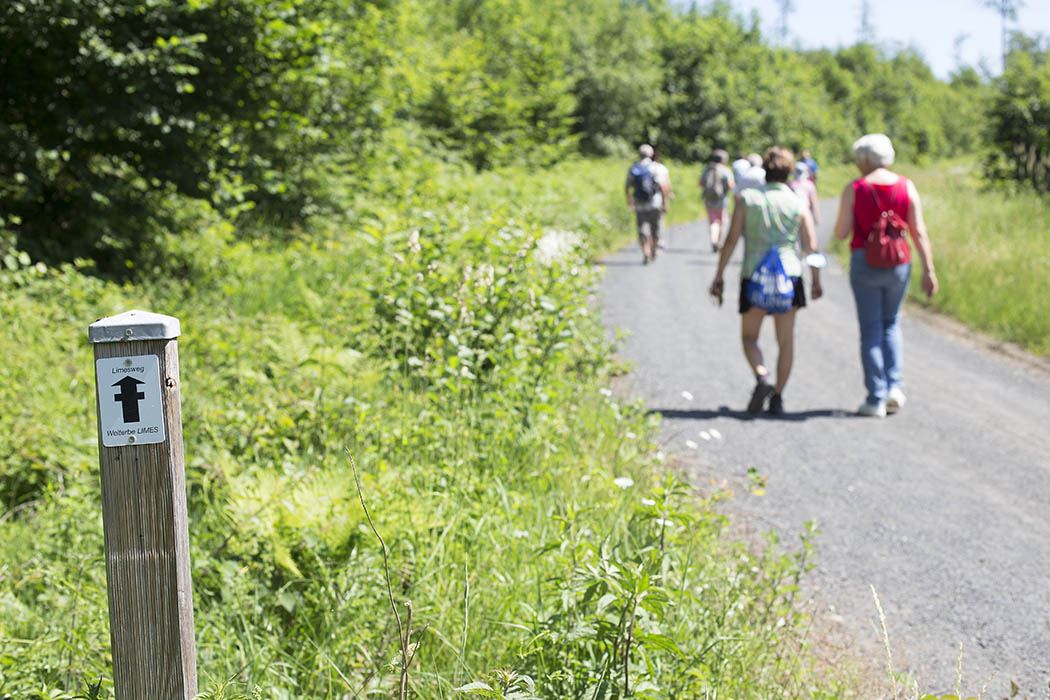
x,y
866,211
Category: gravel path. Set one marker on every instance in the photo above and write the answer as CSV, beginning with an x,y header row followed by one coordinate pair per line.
x,y
943,508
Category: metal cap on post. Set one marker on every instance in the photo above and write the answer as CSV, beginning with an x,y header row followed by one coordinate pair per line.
x,y
144,506
134,325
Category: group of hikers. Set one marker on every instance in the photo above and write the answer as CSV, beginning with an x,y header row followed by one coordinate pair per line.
x,y
775,211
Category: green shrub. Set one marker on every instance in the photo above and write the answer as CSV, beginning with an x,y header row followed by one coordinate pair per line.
x,y
533,532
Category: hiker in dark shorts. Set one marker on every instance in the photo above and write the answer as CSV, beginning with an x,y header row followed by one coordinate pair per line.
x,y
771,216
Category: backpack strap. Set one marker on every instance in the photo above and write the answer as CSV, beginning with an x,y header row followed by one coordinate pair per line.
x,y
898,194
874,195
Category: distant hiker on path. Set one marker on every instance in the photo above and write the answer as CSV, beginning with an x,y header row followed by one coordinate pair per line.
x,y
716,185
645,199
768,217
881,201
754,176
803,186
663,180
806,159
740,166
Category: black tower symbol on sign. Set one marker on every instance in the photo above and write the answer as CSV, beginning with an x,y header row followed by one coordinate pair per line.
x,y
129,398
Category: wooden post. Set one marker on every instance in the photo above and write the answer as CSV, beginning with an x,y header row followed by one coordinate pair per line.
x,y
144,506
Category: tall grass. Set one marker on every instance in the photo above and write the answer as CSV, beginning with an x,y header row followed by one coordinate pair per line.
x,y
992,251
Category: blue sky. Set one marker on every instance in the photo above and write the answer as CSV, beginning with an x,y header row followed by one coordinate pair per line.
x,y
931,26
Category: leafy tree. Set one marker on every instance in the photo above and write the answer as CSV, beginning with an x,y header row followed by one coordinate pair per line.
x,y
617,73
111,108
1018,117
489,79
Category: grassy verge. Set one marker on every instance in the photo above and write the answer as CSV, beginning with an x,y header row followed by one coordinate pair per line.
x,y
991,249
446,339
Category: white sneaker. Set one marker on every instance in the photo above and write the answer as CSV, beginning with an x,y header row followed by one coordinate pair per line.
x,y
895,400
872,410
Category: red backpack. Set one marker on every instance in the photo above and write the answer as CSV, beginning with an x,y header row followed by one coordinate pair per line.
x,y
886,245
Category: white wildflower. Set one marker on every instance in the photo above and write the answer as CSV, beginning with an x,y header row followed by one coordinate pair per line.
x,y
624,482
486,275
691,445
555,245
662,522
648,502
605,392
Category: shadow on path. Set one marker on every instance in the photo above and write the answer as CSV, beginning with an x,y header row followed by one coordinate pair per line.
x,y
726,412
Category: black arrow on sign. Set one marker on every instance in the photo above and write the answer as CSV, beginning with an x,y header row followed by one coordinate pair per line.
x,y
129,398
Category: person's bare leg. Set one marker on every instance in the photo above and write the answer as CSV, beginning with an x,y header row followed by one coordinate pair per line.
x,y
785,328
750,325
643,241
716,233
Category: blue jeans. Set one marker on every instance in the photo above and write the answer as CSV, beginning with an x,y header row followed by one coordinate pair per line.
x,y
879,293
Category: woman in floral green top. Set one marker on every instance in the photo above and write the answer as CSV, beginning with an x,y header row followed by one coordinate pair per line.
x,y
768,216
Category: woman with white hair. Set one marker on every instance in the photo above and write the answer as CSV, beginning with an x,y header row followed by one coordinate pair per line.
x,y
879,286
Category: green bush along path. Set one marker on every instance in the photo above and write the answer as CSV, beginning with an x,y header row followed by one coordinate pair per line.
x,y
450,342
942,508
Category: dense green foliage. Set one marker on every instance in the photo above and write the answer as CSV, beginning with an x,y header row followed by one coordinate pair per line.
x,y
122,122
1020,116
450,345
112,112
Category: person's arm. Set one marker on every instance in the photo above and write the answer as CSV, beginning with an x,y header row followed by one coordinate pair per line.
x,y
844,222
814,205
630,196
917,226
665,188
810,245
736,227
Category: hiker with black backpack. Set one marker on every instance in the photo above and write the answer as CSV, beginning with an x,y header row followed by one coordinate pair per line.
x,y
645,199
716,186
875,211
